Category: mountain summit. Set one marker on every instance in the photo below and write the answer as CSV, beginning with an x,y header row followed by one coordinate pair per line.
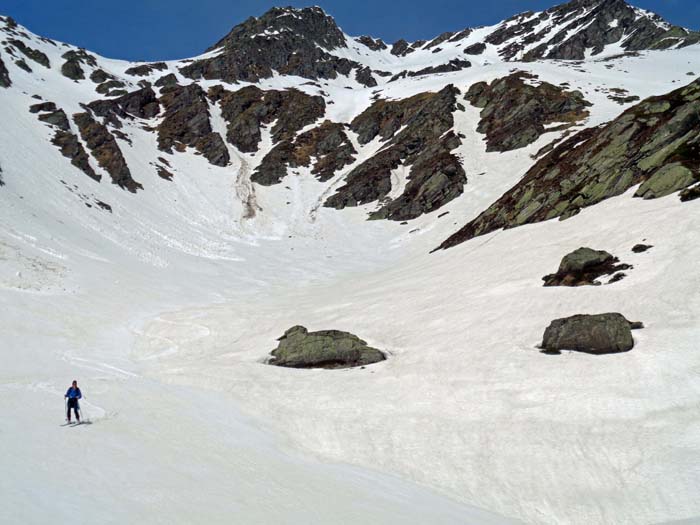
x,y
286,40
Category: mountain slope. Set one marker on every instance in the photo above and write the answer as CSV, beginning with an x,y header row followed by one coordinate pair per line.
x,y
162,224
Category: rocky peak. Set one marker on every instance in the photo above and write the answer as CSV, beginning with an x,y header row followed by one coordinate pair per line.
x,y
310,24
570,30
286,40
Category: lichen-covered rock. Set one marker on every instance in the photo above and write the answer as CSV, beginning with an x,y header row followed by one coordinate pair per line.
x,y
286,40
607,333
71,148
248,109
668,179
105,150
327,144
515,112
146,69
5,80
583,266
436,175
186,123
299,348
657,135
34,54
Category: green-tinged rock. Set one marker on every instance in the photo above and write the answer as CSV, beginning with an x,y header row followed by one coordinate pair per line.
x,y
607,333
655,144
299,348
667,180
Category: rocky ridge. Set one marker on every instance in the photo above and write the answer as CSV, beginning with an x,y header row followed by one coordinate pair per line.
x,y
655,144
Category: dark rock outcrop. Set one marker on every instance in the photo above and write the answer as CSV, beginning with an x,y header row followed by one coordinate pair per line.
x,y
248,109
167,80
34,54
475,49
400,48
327,143
655,143
299,348
71,68
425,143
690,194
141,103
608,333
146,69
453,65
186,123
572,29
583,266
641,248
51,115
111,88
71,148
106,151
5,81
98,76
364,77
375,44
515,112
286,40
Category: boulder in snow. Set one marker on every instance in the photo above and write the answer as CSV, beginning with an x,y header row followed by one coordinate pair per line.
x,y
607,333
299,348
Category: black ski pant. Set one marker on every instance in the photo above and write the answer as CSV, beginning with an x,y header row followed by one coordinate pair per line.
x,y
73,403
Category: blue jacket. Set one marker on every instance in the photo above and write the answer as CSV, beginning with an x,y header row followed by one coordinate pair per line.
x,y
73,393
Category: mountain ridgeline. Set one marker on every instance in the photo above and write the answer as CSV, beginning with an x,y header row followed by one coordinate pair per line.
x,y
290,92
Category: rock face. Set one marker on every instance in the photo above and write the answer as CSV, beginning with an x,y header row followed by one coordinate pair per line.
x,y
583,266
5,81
106,151
299,348
425,143
657,140
186,123
286,40
453,65
71,148
567,31
375,44
31,53
515,112
608,333
141,103
248,109
475,49
146,69
327,144
71,67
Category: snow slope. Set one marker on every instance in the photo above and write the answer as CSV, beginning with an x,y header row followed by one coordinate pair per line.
x,y
166,309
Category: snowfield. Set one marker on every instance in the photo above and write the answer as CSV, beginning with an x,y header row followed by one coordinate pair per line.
x,y
166,309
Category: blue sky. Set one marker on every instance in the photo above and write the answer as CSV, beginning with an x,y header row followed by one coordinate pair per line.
x,y
169,29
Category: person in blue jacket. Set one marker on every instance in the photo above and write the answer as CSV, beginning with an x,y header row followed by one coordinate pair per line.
x,y
72,395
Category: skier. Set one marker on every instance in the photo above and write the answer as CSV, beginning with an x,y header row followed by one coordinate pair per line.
x,y
72,395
